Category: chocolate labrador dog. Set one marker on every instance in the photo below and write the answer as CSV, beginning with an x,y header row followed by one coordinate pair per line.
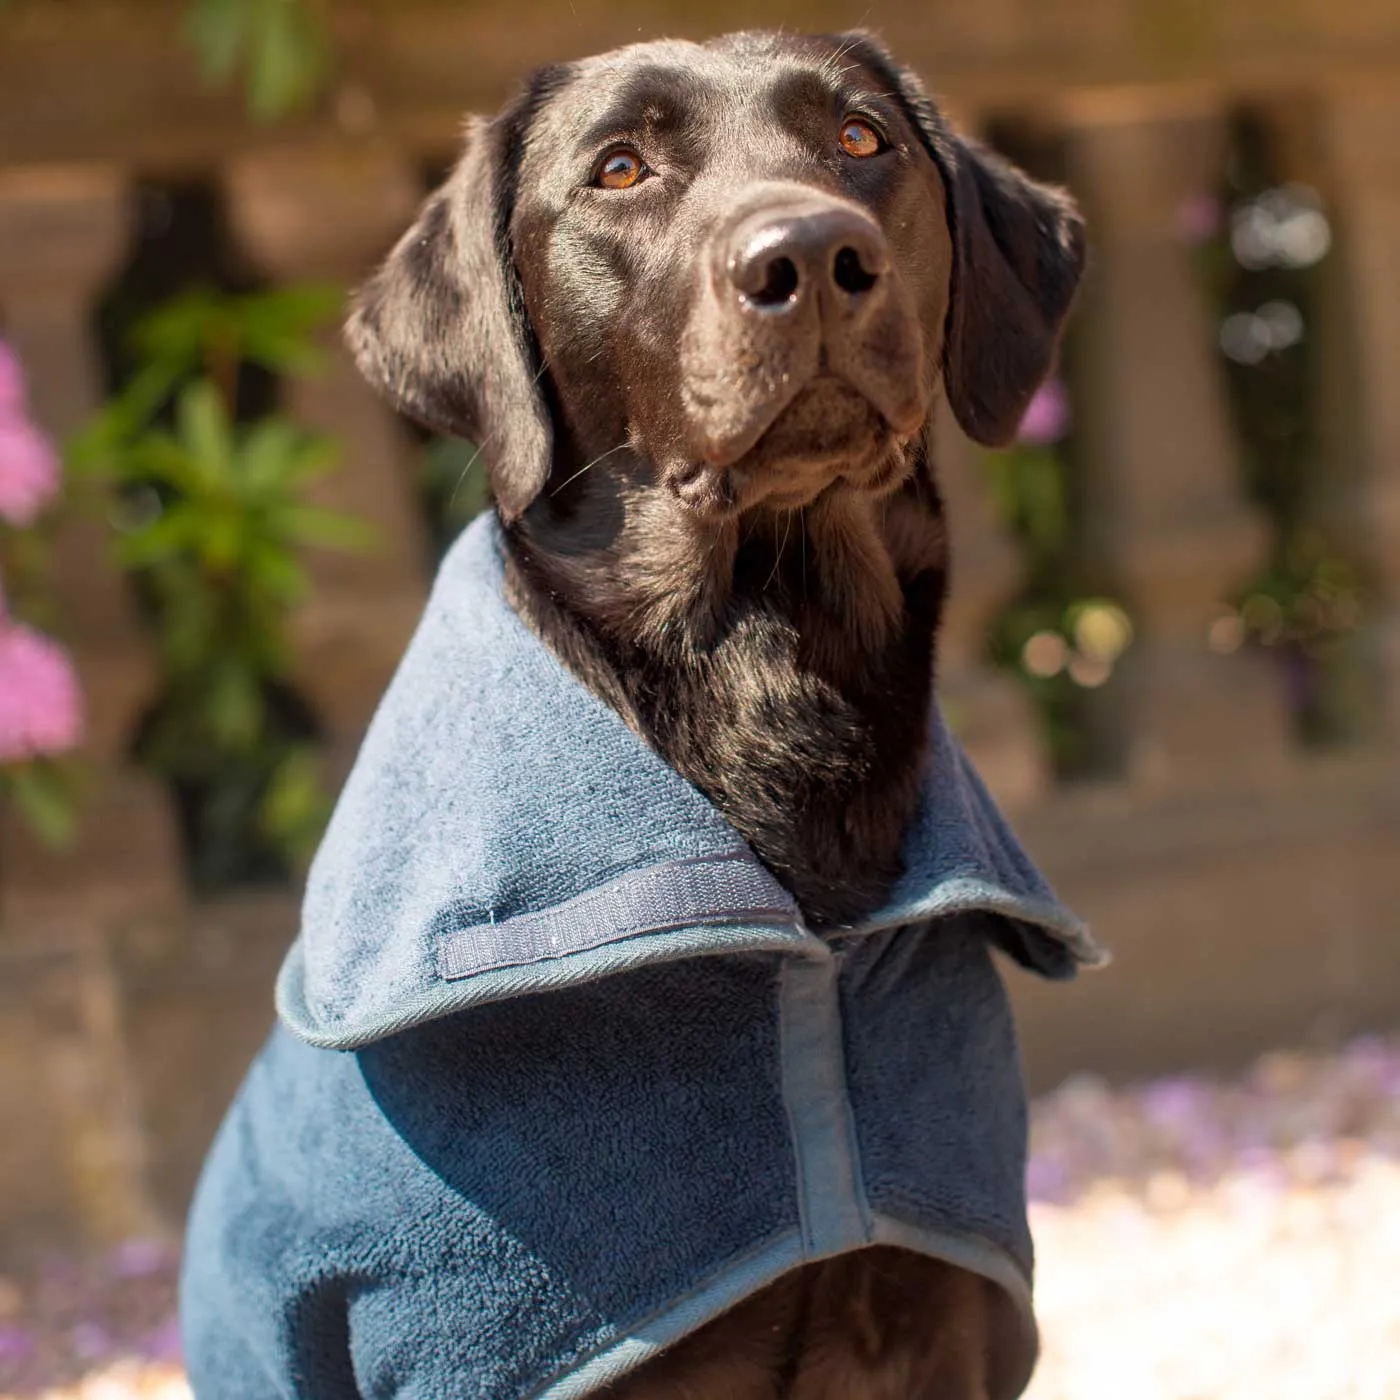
x,y
695,304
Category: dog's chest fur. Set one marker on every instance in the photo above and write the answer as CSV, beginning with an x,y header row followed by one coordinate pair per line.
x,y
790,680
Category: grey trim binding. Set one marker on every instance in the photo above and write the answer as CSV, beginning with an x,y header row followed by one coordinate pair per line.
x,y
834,1212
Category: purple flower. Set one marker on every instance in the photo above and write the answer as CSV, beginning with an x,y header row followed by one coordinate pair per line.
x,y
1046,1179
139,1258
40,707
28,471
1177,1103
91,1340
163,1344
1047,417
15,1344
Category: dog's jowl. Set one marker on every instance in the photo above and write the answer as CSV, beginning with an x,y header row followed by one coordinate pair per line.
x,y
642,1037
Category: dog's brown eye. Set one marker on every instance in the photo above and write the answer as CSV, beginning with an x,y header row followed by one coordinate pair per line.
x,y
619,170
859,138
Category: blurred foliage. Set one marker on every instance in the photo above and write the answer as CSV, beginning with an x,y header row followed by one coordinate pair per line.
x,y
46,789
1263,273
24,572
46,793
214,518
1063,632
453,489
216,333
38,781
212,530
1029,488
282,46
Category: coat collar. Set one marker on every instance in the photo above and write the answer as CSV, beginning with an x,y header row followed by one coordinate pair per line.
x,y
503,832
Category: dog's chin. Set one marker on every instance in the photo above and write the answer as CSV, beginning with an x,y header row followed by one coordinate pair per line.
x,y
830,438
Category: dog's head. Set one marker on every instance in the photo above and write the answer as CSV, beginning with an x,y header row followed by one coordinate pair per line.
x,y
737,269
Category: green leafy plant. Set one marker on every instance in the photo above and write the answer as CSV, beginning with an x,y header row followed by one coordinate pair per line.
x,y
214,526
216,334
214,517
282,46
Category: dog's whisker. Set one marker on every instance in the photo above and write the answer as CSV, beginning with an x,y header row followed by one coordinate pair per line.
x,y
853,41
587,466
777,562
835,58
471,462
486,438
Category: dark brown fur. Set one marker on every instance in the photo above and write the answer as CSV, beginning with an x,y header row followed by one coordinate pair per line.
x,y
721,513
883,1324
784,666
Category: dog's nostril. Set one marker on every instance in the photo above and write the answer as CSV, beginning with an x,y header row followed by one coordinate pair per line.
x,y
779,283
850,274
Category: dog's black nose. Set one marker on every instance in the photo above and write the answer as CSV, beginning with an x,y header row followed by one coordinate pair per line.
x,y
834,251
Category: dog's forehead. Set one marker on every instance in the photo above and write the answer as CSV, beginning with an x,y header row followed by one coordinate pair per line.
x,y
673,80
745,60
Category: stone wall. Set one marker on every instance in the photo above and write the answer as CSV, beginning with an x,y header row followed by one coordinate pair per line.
x,y
1248,888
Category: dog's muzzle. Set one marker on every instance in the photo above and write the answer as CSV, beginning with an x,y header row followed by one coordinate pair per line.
x,y
803,359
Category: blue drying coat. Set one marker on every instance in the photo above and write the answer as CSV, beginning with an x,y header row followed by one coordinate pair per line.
x,y
561,1074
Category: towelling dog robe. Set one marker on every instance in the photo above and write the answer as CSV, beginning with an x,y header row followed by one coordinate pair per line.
x,y
561,1074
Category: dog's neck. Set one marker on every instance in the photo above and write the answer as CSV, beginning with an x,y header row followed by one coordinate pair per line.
x,y
782,663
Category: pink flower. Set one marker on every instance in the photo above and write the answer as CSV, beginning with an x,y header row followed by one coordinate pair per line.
x,y
11,384
1047,417
1199,218
28,468
28,471
40,707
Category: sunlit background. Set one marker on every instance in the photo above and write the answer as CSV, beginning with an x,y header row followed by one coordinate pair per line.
x,y
1173,646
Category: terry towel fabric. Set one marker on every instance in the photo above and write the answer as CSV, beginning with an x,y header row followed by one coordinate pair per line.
x,y
561,1074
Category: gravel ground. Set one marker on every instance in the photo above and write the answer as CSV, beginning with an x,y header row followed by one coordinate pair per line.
x,y
1223,1241
1198,1240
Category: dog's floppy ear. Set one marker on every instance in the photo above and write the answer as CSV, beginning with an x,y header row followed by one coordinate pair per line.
x,y
1018,253
440,328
